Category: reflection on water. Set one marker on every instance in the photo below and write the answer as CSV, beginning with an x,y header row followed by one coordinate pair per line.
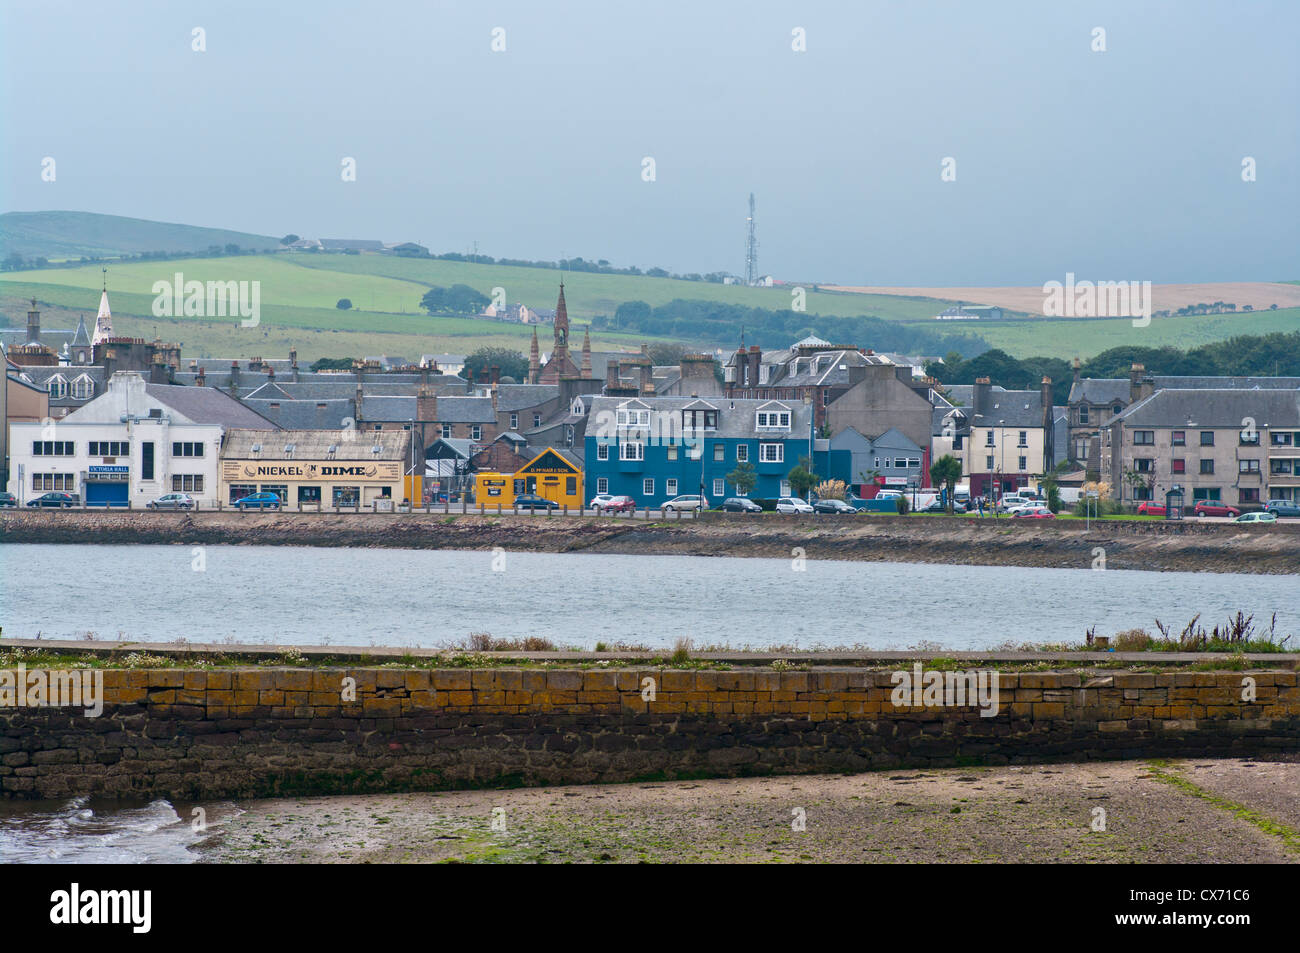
x,y
83,831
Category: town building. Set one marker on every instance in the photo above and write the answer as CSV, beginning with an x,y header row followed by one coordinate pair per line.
x,y
132,444
555,475
654,448
308,469
1227,445
868,464
1005,439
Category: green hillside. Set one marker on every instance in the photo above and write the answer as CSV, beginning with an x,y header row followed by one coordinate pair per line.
x,y
71,235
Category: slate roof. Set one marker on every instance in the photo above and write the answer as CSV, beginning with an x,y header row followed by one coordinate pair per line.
x,y
1011,408
1215,408
206,405
1104,390
736,417
512,397
306,414
315,444
466,410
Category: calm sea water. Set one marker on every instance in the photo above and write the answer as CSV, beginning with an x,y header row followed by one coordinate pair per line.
x,y
292,595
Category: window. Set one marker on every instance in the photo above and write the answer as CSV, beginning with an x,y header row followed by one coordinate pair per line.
x,y
187,449
240,490
379,426
889,463
446,431
1207,438
1020,465
826,399
45,482
773,420
719,452
625,417
672,451
719,486
1249,438
570,485
83,388
699,420
1206,493
670,487
602,484
537,420
1178,466
1281,439
1141,493
146,460
309,495
742,453
347,495
785,487
914,462
1144,465
1023,440
187,483
1279,466
771,453
1179,438
514,421
988,462
1083,414
1144,437
52,448
476,432
110,448
1115,410
648,486
602,451
1248,494
631,450
988,439
1207,466
58,387
1247,466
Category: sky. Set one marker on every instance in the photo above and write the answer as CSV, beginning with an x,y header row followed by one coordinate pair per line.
x,y
1122,163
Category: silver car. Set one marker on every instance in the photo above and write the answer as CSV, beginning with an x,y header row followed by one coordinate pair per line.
x,y
172,501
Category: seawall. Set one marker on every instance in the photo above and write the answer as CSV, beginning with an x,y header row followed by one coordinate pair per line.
x,y
259,731
1126,544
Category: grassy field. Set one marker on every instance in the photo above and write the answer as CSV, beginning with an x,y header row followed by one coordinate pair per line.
x,y
71,235
299,292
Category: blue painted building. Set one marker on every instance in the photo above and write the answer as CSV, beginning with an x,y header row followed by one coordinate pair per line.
x,y
655,448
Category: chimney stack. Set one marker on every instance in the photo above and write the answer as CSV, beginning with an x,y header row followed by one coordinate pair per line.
x,y
33,325
496,376
234,375
201,380
983,395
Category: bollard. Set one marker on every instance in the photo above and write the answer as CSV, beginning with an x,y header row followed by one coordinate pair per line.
x,y
498,508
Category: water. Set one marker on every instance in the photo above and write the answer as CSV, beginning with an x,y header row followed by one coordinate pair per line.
x,y
83,831
284,595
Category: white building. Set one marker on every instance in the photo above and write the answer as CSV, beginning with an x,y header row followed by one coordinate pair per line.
x,y
135,442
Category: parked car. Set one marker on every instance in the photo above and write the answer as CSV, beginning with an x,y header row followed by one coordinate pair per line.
x,y
832,507
600,501
619,504
1011,501
1263,516
692,502
739,504
1276,507
531,501
1214,508
55,500
1033,513
8,500
172,501
1147,508
258,501
792,504
938,507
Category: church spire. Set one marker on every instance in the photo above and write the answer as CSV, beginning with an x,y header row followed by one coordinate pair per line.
x,y
561,324
104,319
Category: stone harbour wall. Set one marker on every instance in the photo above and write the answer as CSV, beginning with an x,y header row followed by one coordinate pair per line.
x,y
260,731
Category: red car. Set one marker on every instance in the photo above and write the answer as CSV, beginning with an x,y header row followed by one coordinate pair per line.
x,y
1214,508
619,504
1151,509
1033,513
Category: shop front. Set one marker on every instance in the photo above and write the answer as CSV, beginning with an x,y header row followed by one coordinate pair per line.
x,y
313,470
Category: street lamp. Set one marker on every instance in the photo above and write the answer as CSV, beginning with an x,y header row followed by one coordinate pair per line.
x,y
808,402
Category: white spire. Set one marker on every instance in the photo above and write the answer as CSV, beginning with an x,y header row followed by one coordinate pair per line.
x,y
103,321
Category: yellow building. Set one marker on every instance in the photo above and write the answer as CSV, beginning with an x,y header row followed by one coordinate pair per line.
x,y
552,474
317,468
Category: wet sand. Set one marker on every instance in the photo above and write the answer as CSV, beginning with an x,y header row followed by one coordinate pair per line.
x,y
1227,811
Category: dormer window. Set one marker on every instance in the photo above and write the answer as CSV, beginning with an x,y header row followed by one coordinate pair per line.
x,y
83,388
288,450
773,420
633,417
58,386
699,420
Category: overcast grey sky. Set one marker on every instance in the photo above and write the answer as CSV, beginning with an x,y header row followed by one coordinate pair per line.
x,y
1123,164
